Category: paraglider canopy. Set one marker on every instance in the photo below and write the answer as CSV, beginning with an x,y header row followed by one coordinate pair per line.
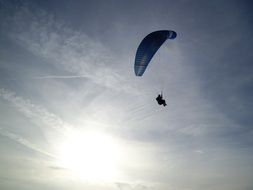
x,y
148,47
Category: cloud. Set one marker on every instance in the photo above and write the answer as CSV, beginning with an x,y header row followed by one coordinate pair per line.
x,y
60,77
131,186
35,112
66,49
24,142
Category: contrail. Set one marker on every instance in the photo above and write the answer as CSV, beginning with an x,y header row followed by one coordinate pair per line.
x,y
36,112
24,142
60,77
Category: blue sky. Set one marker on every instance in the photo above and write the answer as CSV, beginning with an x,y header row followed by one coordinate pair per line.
x,y
75,116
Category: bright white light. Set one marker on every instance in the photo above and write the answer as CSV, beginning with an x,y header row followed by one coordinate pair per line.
x,y
91,156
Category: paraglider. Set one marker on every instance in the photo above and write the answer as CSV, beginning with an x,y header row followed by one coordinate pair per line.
x,y
147,49
160,100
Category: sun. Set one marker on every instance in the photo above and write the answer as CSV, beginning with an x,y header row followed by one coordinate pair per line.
x,y
91,156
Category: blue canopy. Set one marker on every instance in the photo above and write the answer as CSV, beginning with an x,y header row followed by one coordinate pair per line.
x,y
148,47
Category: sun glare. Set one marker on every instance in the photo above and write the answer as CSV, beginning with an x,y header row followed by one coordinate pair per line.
x,y
91,156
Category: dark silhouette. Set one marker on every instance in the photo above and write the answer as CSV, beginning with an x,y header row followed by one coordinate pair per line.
x,y
160,100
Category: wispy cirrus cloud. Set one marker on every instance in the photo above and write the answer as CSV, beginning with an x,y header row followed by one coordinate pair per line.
x,y
21,140
59,77
134,186
34,112
66,49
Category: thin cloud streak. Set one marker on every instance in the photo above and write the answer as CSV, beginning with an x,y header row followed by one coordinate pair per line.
x,y
59,77
35,112
22,141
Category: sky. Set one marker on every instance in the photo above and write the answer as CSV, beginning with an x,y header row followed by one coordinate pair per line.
x,y
73,115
